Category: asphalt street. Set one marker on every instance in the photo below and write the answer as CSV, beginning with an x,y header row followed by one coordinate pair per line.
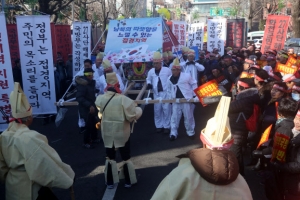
x,y
153,155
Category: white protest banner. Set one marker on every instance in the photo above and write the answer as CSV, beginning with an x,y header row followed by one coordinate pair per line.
x,y
196,32
81,44
36,57
216,35
179,30
133,40
6,77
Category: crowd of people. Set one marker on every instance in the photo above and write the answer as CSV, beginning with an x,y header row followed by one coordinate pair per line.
x,y
262,99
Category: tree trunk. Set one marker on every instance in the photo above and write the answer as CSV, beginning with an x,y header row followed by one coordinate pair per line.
x,y
296,18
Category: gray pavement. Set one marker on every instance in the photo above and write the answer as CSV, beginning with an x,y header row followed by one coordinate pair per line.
x,y
153,155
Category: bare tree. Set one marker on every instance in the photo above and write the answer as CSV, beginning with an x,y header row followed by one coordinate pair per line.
x,y
296,17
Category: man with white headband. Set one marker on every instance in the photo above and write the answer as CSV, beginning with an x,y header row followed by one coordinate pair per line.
x,y
181,85
210,172
157,81
190,66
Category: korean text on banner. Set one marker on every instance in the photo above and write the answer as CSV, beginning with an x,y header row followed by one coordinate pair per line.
x,y
275,32
196,32
35,44
170,40
179,30
81,44
6,77
235,33
280,145
208,89
63,40
12,34
216,35
133,40
289,68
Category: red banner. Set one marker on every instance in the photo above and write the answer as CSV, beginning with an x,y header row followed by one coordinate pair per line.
x,y
52,26
12,34
235,33
63,40
169,40
275,32
280,145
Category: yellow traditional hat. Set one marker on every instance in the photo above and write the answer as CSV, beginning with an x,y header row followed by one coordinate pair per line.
x,y
165,54
176,63
217,133
20,106
106,64
157,57
112,82
170,54
100,55
191,52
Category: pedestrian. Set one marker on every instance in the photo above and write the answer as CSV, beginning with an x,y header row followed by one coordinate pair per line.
x,y
157,78
117,112
69,68
28,165
165,59
97,66
17,73
192,67
239,111
107,68
208,173
85,96
181,85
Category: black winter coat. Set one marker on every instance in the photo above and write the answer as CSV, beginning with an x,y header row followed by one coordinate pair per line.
x,y
85,96
243,105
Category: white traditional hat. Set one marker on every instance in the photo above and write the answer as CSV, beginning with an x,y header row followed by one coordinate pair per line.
x,y
217,133
184,50
170,54
20,106
191,52
100,55
106,64
157,57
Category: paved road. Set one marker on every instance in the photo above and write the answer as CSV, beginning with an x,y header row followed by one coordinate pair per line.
x,y
152,154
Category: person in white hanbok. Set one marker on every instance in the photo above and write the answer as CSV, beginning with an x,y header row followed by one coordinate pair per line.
x,y
192,67
157,80
181,85
107,66
97,66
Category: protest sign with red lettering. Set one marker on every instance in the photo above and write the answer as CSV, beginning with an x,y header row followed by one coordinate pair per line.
x,y
208,89
285,69
280,145
235,33
169,39
275,32
12,34
179,30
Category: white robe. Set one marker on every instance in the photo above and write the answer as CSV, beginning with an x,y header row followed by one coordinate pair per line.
x,y
186,84
103,84
192,69
162,111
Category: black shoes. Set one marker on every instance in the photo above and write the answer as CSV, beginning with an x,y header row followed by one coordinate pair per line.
x,y
192,137
172,138
159,130
167,131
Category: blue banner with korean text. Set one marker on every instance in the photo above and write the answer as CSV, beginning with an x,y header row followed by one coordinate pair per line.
x,y
133,40
36,58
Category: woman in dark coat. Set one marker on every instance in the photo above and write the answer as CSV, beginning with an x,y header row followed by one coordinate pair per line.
x,y
239,111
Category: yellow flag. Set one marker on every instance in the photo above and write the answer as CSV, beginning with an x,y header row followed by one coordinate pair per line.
x,y
265,136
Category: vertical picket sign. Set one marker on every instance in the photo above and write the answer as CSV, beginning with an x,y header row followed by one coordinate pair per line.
x,y
12,34
36,57
179,30
81,44
6,76
216,35
196,32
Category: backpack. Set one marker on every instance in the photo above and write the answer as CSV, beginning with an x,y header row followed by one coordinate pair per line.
x,y
251,123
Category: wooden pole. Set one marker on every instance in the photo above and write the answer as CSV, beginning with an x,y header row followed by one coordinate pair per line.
x,y
141,93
